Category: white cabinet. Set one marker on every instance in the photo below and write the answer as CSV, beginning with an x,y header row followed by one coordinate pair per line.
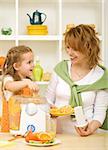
x,y
49,48
7,18
49,7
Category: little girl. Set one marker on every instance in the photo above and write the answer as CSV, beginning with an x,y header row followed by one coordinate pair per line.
x,y
17,72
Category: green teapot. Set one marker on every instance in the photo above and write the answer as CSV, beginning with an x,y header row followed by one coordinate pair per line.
x,y
37,18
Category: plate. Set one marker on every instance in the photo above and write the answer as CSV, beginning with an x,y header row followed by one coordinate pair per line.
x,y
62,114
62,111
56,141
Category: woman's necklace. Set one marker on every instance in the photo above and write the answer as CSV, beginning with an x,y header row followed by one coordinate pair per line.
x,y
78,75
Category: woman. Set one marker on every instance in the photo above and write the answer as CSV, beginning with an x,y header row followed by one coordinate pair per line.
x,y
80,81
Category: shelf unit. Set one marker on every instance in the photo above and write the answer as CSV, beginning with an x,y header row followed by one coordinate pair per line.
x,y
59,13
49,48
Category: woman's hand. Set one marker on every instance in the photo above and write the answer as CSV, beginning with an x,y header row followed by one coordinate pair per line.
x,y
81,130
53,106
89,129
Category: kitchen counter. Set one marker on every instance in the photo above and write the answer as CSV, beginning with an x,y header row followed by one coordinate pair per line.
x,y
68,142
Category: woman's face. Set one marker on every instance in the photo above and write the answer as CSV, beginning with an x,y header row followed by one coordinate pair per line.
x,y
26,66
76,56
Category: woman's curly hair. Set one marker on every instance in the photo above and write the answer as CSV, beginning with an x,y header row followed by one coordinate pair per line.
x,y
84,38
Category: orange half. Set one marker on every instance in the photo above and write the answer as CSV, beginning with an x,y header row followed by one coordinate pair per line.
x,y
44,136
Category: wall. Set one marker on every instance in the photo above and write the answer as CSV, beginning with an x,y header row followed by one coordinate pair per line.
x,y
106,32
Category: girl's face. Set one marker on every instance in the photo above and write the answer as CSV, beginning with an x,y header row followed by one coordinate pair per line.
x,y
76,56
26,66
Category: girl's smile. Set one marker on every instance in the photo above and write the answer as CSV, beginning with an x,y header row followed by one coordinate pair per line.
x,y
26,66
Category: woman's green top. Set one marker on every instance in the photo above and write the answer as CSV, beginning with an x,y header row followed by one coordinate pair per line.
x,y
76,100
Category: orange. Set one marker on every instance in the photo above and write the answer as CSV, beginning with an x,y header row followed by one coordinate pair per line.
x,y
54,110
66,109
31,136
5,116
45,136
2,60
26,92
53,134
39,136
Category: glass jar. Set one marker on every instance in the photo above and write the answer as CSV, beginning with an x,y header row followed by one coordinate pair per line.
x,y
51,124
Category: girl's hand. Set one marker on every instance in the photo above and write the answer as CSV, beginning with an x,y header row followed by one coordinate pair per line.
x,y
89,129
32,85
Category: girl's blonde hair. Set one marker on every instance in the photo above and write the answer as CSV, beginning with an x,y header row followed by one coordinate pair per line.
x,y
83,38
14,55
